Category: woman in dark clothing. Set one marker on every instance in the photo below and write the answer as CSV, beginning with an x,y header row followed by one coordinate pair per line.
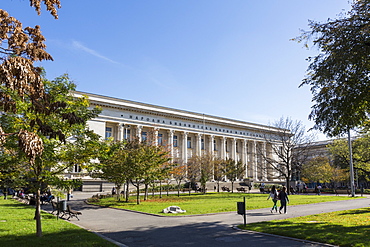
x,y
283,197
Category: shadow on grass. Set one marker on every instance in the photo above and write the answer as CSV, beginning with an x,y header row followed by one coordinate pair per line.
x,y
357,211
78,237
317,231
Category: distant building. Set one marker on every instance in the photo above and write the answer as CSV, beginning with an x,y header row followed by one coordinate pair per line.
x,y
185,133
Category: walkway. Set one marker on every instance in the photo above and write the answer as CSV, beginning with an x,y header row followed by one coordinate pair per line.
x,y
136,229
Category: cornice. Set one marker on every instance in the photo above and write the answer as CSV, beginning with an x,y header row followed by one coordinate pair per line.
x,y
144,108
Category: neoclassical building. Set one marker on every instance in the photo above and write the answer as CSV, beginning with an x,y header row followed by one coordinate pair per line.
x,y
185,133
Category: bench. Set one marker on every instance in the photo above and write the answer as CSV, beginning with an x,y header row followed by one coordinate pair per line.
x,y
240,189
72,213
224,188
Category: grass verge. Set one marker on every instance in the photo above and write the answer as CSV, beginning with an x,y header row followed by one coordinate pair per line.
x,y
343,228
208,203
18,228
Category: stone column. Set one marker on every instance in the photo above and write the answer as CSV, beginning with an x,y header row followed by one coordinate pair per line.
x,y
155,136
138,132
264,164
255,170
223,147
211,145
184,147
120,132
233,149
199,145
170,142
245,156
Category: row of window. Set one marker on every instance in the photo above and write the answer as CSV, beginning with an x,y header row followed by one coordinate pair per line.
x,y
144,137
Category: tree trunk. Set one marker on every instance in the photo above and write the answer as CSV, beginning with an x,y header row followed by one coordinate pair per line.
x,y
160,189
146,191
38,214
178,188
118,191
127,194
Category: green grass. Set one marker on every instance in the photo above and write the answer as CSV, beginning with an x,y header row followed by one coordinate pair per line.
x,y
18,228
209,203
343,228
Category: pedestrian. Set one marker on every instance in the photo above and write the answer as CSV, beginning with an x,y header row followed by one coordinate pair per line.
x,y
274,197
319,190
283,197
113,191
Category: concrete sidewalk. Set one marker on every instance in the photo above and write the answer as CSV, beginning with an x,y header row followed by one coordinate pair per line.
x,y
136,229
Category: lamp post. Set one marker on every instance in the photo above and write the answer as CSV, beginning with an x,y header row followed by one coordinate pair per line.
x,y
352,181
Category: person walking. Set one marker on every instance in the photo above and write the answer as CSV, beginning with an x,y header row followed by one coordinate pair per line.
x,y
283,197
274,197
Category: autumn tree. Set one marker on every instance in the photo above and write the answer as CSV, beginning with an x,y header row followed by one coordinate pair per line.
x,y
178,172
286,150
317,170
21,82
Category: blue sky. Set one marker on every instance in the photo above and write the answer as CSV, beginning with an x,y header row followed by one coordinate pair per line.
x,y
227,58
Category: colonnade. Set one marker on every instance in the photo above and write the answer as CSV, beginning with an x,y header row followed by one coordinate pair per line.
x,y
190,143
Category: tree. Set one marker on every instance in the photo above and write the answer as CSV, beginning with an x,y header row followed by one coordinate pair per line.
x,y
113,164
38,131
317,170
22,82
361,154
219,171
233,171
287,149
339,74
179,174
200,168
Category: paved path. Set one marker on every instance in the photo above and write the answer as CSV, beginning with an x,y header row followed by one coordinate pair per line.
x,y
136,229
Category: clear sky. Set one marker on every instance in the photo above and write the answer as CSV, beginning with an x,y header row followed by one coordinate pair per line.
x,y
227,58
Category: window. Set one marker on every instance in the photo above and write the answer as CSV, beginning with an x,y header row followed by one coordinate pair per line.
x,y
202,143
175,141
214,145
108,132
160,139
76,168
237,148
127,134
143,136
189,142
227,146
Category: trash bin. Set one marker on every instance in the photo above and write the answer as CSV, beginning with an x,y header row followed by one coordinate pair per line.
x,y
62,205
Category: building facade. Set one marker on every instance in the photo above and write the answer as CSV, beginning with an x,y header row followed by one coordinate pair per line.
x,y
185,133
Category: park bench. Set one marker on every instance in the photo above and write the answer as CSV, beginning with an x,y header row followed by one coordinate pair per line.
x,y
240,189
186,189
72,213
224,188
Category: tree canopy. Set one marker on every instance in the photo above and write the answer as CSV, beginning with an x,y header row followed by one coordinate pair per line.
x,y
339,74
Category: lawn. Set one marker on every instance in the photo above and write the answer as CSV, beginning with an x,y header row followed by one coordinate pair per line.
x,y
18,228
208,203
343,228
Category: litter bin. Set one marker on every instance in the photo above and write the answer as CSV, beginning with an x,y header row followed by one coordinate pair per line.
x,y
62,206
